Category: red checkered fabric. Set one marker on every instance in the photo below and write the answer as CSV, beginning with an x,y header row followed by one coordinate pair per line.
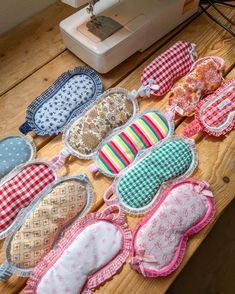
x,y
21,189
172,64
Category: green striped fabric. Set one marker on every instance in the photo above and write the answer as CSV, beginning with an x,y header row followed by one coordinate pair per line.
x,y
138,186
121,150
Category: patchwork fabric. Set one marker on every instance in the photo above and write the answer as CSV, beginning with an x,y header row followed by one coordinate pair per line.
x,y
42,223
91,252
113,109
121,150
15,150
159,241
170,65
204,77
20,188
71,93
215,114
139,186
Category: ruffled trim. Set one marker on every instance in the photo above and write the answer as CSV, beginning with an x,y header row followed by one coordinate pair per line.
x,y
209,214
22,216
46,95
140,156
97,278
120,129
198,114
101,97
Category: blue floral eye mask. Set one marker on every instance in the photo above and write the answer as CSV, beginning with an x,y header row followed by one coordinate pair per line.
x,y
15,150
70,94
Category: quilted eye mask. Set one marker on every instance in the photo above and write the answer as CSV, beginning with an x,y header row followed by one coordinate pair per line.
x,y
15,150
158,77
159,241
41,223
91,252
139,185
204,77
70,94
120,149
215,115
18,189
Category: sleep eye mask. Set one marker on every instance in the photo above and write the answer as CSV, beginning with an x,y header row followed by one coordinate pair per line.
x,y
15,150
138,187
40,225
204,77
215,115
92,251
160,239
19,188
158,77
69,95
120,149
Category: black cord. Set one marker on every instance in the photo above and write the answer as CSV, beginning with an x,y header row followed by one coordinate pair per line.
x,y
212,3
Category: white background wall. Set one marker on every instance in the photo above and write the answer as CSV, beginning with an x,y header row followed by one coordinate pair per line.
x,y
13,12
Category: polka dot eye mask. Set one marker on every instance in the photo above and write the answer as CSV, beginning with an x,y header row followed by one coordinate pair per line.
x,y
160,239
158,77
15,150
39,226
215,115
120,149
138,187
91,252
204,77
70,94
19,188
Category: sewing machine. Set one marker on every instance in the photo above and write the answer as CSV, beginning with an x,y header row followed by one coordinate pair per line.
x,y
108,31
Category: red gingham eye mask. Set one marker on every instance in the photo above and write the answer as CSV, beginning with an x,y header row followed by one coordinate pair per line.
x,y
215,115
158,77
19,188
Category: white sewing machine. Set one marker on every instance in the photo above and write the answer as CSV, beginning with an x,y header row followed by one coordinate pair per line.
x,y
109,31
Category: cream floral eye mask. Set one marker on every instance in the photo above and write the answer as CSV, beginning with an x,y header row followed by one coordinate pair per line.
x,y
138,187
70,94
160,239
215,115
15,150
41,223
204,77
92,251
121,148
20,187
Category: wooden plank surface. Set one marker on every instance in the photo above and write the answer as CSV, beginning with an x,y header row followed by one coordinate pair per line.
x,y
210,41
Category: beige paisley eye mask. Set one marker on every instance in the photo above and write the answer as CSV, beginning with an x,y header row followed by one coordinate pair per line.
x,y
113,109
44,220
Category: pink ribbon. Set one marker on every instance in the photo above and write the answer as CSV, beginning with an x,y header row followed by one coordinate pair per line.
x,y
140,258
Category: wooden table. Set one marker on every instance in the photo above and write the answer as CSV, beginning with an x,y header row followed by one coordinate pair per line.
x,y
33,55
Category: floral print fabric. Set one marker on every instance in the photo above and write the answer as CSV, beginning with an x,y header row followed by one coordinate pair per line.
x,y
87,131
204,78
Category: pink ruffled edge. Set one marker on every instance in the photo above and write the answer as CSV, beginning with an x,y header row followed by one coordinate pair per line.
x,y
201,103
176,261
100,276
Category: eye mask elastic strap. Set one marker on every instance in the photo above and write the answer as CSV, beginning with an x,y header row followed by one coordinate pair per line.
x,y
192,129
5,272
59,160
25,128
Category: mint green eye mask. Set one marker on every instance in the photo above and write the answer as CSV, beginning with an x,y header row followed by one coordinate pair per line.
x,y
172,159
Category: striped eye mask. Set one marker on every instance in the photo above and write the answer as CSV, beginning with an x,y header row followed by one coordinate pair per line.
x,y
138,187
215,115
160,239
92,251
15,150
20,187
204,77
40,225
70,94
120,149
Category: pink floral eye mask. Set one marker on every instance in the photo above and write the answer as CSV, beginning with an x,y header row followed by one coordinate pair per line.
x,y
90,252
159,241
204,77
215,115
